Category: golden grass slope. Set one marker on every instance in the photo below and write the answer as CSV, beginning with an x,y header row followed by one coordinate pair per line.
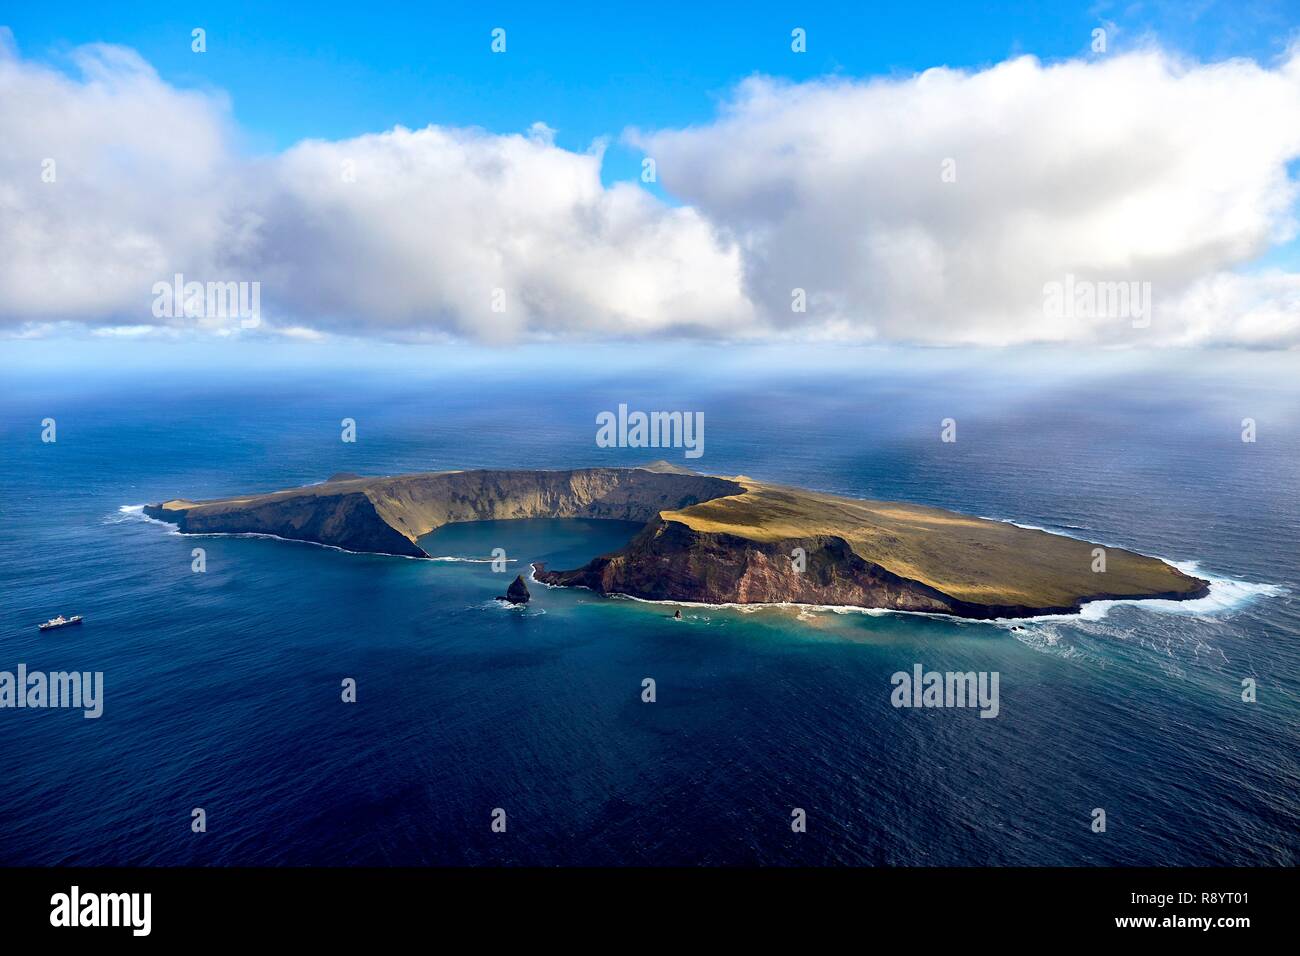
x,y
971,559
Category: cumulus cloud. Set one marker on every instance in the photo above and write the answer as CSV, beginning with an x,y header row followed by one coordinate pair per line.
x,y
114,181
106,183
487,236
1136,167
1256,311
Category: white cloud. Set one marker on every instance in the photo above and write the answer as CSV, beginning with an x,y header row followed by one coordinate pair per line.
x,y
1130,167
1136,167
123,331
139,172
431,224
1257,311
404,233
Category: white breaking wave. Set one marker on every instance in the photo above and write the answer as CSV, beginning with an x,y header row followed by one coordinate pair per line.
x,y
1226,593
460,560
527,610
134,513
1046,639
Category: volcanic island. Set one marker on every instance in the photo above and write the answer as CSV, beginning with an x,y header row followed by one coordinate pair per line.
x,y
717,540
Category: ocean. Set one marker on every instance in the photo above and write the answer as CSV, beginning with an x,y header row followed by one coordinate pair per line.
x,y
222,689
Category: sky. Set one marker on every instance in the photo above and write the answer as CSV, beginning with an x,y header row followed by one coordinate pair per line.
x,y
918,173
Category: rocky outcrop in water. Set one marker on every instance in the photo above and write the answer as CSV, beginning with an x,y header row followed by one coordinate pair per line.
x,y
517,593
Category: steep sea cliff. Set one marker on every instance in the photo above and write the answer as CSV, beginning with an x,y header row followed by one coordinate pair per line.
x,y
710,539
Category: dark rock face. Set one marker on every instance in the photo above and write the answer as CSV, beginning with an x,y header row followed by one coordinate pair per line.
x,y
669,561
416,504
348,521
517,593
386,515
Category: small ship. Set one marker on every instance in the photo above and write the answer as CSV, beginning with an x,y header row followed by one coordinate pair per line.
x,y
60,621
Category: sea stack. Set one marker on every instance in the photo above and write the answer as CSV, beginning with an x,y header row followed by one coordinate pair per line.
x,y
517,593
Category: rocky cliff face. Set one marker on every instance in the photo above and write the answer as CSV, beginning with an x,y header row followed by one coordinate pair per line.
x,y
416,504
386,515
670,561
347,520
716,540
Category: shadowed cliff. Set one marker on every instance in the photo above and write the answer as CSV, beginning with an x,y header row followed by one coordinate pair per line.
x,y
387,515
719,540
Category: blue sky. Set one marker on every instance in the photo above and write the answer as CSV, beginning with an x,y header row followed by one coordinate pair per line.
x,y
1172,160
336,70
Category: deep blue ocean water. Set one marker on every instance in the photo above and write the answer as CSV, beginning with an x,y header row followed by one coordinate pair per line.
x,y
222,689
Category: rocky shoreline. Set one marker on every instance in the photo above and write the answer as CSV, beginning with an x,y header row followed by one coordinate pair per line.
x,y
716,540
671,562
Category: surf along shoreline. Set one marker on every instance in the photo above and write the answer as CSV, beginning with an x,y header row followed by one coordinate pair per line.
x,y
719,541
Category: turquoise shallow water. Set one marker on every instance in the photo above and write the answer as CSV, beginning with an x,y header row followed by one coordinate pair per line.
x,y
222,688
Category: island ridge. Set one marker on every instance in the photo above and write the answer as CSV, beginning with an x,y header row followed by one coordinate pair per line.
x,y
718,540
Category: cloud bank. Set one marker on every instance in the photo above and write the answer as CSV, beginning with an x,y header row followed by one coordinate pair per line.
x,y
932,209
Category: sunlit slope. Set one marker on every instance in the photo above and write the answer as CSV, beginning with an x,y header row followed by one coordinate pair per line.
x,y
716,540
971,559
